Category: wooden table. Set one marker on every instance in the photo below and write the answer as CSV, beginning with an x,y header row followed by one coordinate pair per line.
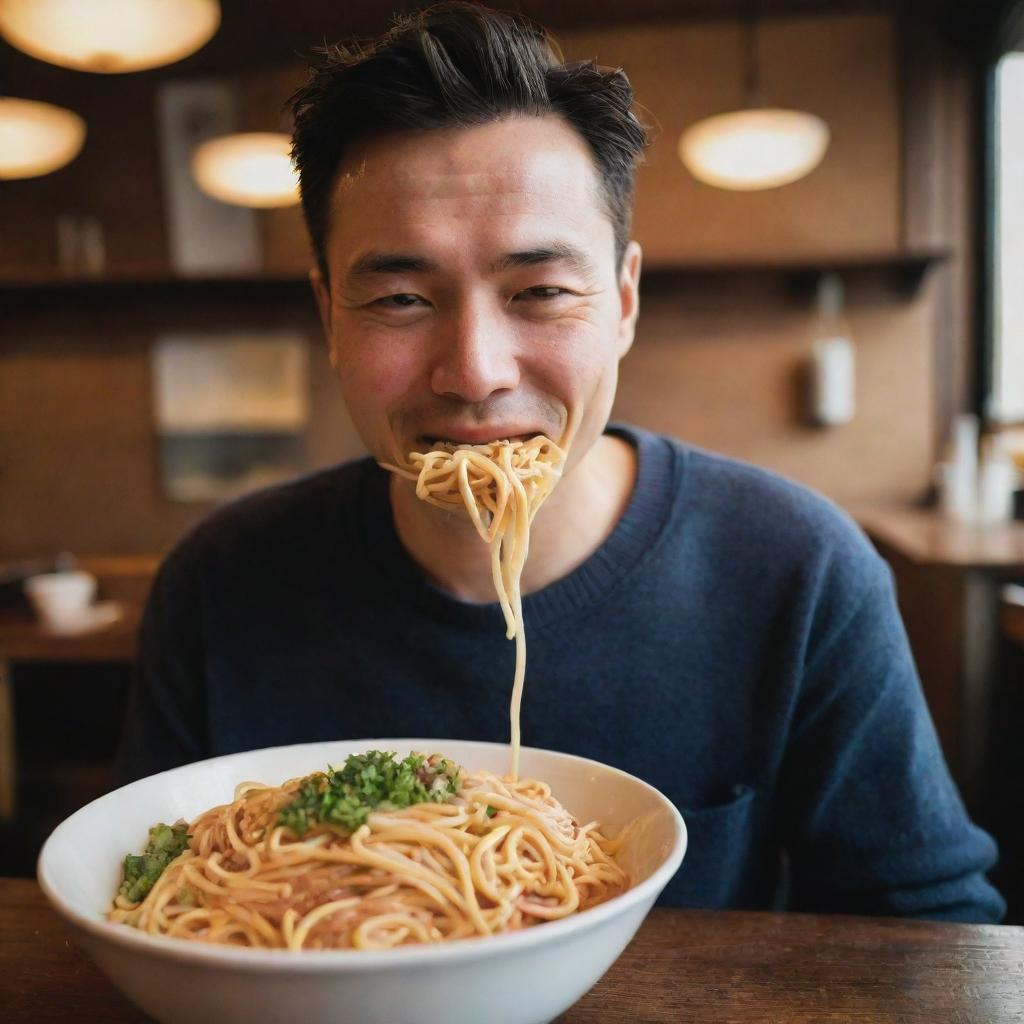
x,y
684,965
949,577
125,579
1011,617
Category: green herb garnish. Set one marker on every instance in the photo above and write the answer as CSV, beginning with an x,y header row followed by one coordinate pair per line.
x,y
376,781
141,872
491,811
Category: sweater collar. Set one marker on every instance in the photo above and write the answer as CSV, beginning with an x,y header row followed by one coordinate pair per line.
x,y
660,466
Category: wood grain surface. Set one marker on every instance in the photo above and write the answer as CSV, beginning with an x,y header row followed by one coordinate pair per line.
x,y
1012,621
926,537
684,965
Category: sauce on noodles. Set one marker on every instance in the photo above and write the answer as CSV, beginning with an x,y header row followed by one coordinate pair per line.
x,y
497,855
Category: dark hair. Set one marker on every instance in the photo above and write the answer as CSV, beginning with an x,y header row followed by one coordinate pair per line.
x,y
458,64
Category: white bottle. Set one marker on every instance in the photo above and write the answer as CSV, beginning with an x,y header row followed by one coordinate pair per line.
x,y
997,480
964,452
957,478
958,492
834,375
833,359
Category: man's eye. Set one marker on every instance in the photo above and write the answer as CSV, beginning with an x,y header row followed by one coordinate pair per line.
x,y
401,301
543,291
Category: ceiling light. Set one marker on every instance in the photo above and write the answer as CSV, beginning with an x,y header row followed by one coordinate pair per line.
x,y
757,146
248,169
36,138
754,149
109,35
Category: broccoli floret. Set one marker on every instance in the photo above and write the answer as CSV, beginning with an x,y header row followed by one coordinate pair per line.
x,y
141,871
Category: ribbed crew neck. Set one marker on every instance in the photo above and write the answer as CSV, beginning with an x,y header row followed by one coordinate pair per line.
x,y
648,514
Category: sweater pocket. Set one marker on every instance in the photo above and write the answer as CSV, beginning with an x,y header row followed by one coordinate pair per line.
x,y
717,870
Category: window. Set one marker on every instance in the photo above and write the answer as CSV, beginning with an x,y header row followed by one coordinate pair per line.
x,y
1007,399
1006,396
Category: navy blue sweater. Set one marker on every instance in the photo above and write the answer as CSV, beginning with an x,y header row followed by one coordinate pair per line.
x,y
735,642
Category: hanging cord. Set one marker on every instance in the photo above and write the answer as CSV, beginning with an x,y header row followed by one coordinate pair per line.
x,y
748,55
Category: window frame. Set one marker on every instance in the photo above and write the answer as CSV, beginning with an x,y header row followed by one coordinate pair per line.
x,y
1008,38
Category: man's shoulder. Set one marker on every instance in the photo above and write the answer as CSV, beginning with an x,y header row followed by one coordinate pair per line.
x,y
734,509
279,515
764,498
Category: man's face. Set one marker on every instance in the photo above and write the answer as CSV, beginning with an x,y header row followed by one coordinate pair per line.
x,y
473,288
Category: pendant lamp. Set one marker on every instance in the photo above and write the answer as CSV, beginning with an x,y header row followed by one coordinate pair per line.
x,y
36,138
755,147
248,169
111,36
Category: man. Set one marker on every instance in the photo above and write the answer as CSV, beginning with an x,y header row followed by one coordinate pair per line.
x,y
723,634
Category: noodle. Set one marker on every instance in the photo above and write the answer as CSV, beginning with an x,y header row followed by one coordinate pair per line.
x,y
501,486
498,855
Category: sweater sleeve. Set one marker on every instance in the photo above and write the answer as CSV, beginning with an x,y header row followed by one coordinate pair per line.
x,y
872,820
163,725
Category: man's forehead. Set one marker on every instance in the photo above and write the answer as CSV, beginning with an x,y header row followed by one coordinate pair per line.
x,y
397,185
525,162
468,195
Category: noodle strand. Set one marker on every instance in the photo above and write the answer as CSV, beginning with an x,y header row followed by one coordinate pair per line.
x,y
501,854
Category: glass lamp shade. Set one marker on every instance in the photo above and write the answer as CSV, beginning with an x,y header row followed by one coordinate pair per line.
x,y
111,36
37,138
754,149
247,169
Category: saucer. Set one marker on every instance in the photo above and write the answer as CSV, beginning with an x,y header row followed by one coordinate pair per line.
x,y
95,617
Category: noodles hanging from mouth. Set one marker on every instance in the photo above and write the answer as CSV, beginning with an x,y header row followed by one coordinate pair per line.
x,y
501,486
497,855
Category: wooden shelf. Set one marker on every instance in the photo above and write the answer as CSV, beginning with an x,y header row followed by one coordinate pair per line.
x,y
157,281
905,269
159,294
908,267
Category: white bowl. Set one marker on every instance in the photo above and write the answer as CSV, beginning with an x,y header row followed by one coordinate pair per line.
x,y
525,977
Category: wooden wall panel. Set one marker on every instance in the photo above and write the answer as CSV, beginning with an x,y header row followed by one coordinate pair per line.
x,y
942,143
842,67
721,364
78,450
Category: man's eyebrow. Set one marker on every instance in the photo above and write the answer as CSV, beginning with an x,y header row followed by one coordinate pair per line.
x,y
389,263
376,262
549,252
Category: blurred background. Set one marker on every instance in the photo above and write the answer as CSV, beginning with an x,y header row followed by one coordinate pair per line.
x,y
832,217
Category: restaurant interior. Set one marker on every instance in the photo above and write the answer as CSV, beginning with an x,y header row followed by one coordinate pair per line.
x,y
832,221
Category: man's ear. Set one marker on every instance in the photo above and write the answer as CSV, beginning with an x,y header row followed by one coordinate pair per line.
x,y
322,291
629,295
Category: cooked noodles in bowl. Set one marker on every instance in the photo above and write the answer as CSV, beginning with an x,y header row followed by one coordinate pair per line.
x,y
464,981
378,853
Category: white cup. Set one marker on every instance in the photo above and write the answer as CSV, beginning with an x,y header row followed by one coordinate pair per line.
x,y
61,598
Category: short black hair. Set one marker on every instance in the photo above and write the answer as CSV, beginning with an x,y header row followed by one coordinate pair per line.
x,y
458,64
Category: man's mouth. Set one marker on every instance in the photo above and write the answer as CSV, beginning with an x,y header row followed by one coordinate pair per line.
x,y
485,436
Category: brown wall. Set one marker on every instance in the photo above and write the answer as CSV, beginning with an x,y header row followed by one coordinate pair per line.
x,y
717,359
719,363
843,68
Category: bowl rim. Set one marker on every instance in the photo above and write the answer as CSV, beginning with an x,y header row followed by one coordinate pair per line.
x,y
347,960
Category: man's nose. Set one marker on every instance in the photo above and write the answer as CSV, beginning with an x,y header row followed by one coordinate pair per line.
x,y
476,356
